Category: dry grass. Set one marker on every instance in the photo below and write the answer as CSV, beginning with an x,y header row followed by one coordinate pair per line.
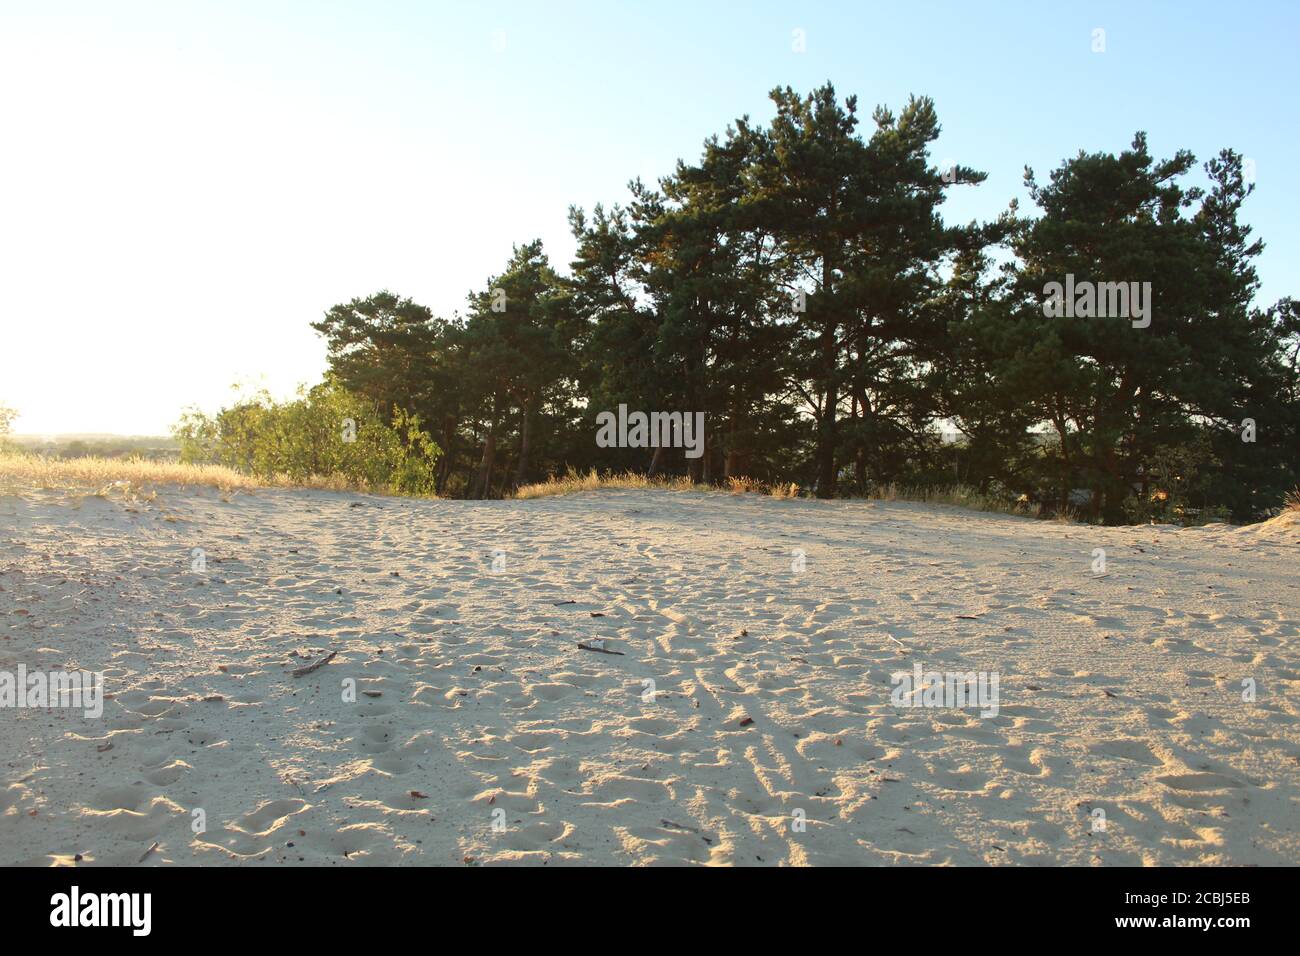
x,y
959,496
21,471
1292,501
790,490
574,481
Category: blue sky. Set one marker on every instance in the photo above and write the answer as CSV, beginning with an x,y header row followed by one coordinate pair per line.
x,y
185,186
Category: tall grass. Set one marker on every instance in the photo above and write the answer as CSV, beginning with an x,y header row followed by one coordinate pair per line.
x,y
21,471
574,481
960,496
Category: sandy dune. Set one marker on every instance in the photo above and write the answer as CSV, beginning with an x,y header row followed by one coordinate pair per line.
x,y
474,706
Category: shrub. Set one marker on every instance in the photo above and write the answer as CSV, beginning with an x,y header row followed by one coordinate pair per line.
x,y
325,431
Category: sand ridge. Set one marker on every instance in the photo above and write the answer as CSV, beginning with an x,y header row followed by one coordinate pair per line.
x,y
476,731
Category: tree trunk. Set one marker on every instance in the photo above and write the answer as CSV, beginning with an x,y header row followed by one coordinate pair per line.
x,y
525,440
826,426
505,481
1066,479
860,451
826,430
736,462
483,483
448,454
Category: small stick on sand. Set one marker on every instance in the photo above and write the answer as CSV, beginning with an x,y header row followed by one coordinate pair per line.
x,y
147,852
678,826
598,650
304,671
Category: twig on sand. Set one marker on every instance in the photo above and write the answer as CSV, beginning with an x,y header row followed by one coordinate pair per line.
x,y
147,852
598,650
678,826
315,665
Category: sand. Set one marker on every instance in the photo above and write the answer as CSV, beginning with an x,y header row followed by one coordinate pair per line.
x,y
479,733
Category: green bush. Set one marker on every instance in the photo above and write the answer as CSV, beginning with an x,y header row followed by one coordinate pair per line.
x,y
326,432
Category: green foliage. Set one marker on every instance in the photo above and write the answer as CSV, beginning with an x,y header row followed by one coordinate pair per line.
x,y
7,416
797,284
1123,400
327,432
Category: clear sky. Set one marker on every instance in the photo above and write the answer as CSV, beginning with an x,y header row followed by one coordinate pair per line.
x,y
184,186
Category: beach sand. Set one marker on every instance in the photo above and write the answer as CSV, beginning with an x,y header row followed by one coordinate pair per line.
x,y
480,733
